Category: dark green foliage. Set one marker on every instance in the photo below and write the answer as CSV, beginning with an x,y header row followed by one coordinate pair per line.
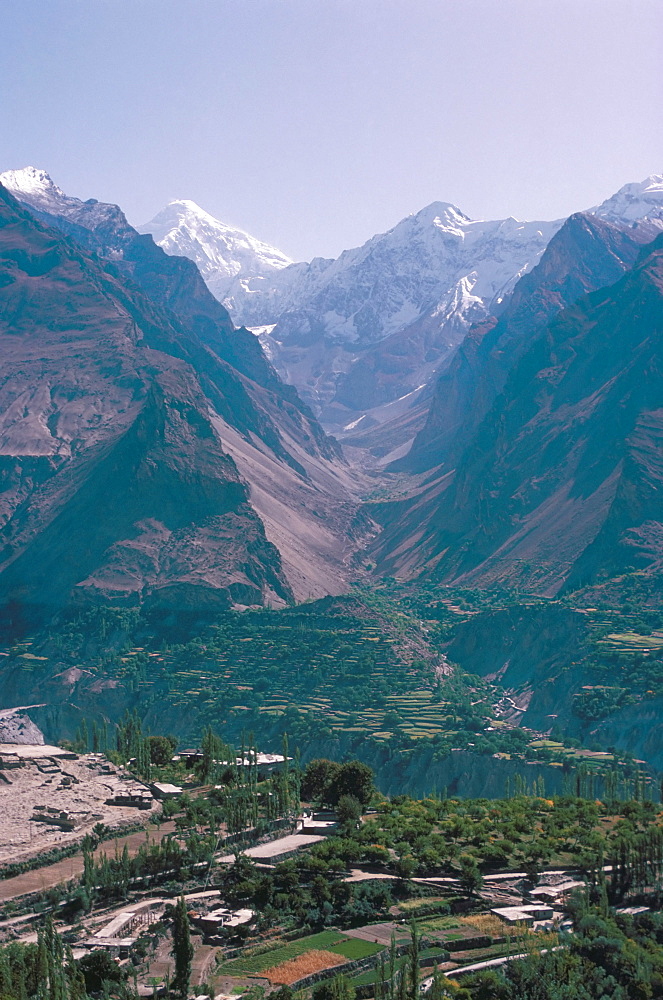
x,y
98,969
284,993
317,779
182,950
327,781
610,957
161,749
353,778
599,702
471,878
42,971
338,988
348,810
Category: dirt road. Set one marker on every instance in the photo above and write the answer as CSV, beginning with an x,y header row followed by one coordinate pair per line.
x,y
63,871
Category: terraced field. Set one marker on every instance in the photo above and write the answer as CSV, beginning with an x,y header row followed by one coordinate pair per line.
x,y
345,949
633,642
354,668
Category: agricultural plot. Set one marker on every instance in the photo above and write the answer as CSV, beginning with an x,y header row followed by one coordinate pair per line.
x,y
340,663
634,642
289,962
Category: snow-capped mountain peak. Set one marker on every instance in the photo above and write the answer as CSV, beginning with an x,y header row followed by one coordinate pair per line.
x,y
183,218
35,188
33,183
441,214
228,258
635,202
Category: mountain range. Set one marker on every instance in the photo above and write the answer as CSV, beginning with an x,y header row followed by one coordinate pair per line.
x,y
151,453
361,337
542,452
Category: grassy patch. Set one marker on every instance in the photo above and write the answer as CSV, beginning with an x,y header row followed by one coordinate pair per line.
x,y
354,948
255,964
438,924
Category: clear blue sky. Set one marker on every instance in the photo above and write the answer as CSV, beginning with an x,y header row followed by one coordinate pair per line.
x,y
315,123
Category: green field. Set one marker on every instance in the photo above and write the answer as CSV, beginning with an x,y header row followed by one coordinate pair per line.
x,y
334,941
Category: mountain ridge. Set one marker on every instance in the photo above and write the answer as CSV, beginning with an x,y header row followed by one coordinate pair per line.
x,y
559,484
267,433
360,332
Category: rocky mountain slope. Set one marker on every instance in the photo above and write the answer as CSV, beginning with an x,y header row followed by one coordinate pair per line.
x,y
560,483
361,336
584,255
139,463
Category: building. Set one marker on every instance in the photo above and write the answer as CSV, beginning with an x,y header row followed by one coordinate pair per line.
x,y
164,790
134,795
554,893
223,920
266,764
525,914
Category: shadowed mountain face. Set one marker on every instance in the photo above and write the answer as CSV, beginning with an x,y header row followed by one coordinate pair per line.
x,y
171,282
560,483
585,255
361,335
117,480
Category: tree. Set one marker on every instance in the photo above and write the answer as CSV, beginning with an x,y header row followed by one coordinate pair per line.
x,y
318,777
414,955
215,752
354,778
99,968
470,877
348,810
338,988
161,749
182,949
284,993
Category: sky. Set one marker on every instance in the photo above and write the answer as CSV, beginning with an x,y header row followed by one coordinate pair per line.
x,y
314,124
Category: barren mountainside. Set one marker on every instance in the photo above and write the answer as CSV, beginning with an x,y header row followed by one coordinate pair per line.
x,y
120,423
559,485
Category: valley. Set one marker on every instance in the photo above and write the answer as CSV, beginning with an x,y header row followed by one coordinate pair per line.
x,y
331,500
358,716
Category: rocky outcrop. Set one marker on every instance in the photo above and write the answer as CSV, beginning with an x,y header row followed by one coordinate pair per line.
x,y
16,727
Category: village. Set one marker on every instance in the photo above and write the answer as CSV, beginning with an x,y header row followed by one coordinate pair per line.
x,y
108,855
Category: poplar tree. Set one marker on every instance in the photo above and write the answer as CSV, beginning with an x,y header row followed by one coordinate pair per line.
x,y
182,950
392,967
414,961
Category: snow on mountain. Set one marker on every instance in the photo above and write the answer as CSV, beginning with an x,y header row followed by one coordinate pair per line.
x,y
357,332
379,320
227,258
437,267
35,187
635,202
34,183
437,262
425,263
